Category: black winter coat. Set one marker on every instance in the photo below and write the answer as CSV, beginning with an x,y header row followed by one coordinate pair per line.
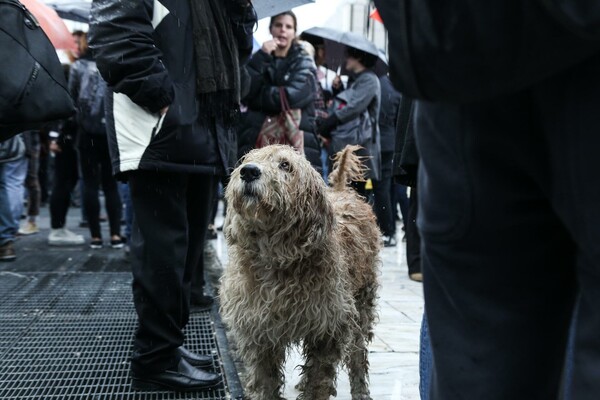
x,y
144,50
388,114
297,74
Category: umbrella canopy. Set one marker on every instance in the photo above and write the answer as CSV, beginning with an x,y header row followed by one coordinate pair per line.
x,y
52,25
336,42
268,8
73,10
79,10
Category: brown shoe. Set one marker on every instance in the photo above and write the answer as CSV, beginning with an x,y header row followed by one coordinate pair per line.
x,y
7,252
416,276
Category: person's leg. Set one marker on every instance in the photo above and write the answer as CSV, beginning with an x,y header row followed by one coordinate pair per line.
x,y
202,191
382,204
413,239
7,229
425,360
401,194
159,246
126,200
65,179
32,182
14,175
497,263
112,199
568,106
90,173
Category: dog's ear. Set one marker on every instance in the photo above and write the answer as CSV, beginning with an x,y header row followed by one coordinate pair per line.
x,y
316,210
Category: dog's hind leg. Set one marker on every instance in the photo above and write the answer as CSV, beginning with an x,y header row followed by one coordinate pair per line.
x,y
319,373
358,357
265,371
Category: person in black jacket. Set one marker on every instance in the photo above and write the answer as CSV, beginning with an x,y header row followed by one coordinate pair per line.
x,y
506,125
354,118
382,187
88,89
281,62
173,72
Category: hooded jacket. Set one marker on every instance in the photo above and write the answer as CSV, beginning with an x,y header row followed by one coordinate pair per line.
x,y
144,51
297,74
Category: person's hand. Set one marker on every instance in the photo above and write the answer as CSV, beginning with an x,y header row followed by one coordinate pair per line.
x,y
325,126
337,82
54,147
269,46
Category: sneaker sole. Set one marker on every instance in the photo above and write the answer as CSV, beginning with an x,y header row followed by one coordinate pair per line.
x,y
65,244
27,233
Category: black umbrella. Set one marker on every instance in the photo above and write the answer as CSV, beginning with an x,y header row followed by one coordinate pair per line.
x,y
268,8
73,10
336,42
79,10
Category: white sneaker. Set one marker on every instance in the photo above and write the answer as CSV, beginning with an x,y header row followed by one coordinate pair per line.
x,y
29,228
64,237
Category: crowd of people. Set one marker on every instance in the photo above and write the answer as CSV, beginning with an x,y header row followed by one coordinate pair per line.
x,y
159,130
497,160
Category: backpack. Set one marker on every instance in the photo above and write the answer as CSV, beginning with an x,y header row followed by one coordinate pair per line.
x,y
91,91
464,51
33,88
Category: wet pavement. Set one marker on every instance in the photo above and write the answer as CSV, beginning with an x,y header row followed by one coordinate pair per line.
x,y
67,321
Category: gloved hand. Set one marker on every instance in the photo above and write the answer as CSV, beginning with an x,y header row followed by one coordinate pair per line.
x,y
327,125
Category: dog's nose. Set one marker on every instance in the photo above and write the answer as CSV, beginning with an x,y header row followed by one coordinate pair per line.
x,y
250,172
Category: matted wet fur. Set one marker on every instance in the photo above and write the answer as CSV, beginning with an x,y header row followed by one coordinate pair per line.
x,y
303,261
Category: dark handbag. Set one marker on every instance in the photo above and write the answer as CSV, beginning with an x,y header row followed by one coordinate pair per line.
x,y
283,128
469,50
33,87
12,149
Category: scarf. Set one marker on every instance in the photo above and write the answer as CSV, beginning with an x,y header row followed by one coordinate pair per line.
x,y
217,60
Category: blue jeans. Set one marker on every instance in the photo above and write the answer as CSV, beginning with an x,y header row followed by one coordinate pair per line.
x,y
14,184
7,229
126,200
425,360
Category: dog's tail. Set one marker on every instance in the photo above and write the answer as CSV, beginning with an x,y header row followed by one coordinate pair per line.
x,y
347,167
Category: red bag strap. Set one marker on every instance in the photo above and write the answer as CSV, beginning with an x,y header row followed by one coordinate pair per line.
x,y
285,105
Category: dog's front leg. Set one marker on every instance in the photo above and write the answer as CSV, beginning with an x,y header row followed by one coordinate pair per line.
x,y
265,368
319,372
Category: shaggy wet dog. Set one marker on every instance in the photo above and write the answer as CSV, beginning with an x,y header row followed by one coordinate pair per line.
x,y
303,261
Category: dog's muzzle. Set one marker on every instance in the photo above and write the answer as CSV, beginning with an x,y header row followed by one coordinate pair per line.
x,y
249,173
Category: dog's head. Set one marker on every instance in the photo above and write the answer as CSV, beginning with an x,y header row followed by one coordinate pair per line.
x,y
276,184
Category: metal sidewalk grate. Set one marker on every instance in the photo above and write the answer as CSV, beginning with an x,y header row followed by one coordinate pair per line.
x,y
68,337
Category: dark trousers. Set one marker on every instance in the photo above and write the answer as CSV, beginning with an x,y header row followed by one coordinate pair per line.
x,y
382,201
171,212
32,183
399,199
96,168
65,179
413,239
509,216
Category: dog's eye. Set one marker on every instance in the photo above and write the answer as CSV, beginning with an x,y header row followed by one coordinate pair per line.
x,y
284,165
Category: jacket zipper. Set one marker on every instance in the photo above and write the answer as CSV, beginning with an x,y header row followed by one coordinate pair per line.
x,y
32,78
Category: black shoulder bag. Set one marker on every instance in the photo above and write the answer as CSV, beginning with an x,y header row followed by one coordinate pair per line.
x,y
33,88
